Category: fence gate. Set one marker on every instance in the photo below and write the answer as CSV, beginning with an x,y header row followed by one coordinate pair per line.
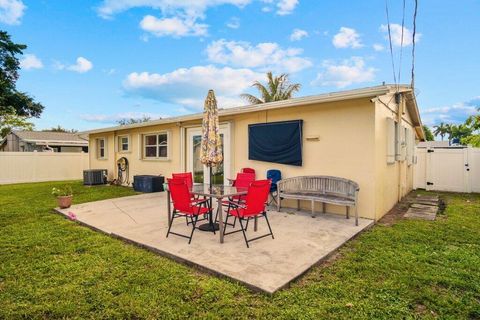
x,y
448,169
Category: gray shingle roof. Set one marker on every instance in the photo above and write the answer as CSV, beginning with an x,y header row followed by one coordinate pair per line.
x,y
50,136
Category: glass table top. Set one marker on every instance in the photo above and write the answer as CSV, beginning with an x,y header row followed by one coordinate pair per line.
x,y
217,190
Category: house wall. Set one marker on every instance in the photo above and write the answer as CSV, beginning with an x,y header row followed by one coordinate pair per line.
x,y
344,149
389,176
137,164
346,132
12,144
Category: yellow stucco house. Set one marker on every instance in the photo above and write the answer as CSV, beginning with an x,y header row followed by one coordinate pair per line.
x,y
366,135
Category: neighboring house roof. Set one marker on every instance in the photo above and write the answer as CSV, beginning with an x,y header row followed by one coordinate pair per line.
x,y
433,144
51,138
369,92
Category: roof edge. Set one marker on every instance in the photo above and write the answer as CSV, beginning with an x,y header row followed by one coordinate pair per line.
x,y
301,101
412,107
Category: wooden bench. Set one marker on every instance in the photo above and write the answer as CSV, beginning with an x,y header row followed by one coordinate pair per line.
x,y
324,189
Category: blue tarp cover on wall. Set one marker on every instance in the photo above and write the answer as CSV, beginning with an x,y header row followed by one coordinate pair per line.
x,y
278,142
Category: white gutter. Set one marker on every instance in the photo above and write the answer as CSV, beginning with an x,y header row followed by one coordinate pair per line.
x,y
303,101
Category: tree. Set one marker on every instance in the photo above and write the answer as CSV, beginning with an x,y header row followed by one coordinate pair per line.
x,y
10,121
124,122
277,88
473,140
13,101
428,133
473,122
60,129
459,131
440,130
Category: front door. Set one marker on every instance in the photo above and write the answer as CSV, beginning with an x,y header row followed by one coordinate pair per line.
x,y
201,172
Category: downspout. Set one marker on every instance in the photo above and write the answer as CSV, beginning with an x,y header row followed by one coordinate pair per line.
x,y
400,109
114,153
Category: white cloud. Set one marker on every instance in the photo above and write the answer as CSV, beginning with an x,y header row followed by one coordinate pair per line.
x,y
265,56
114,118
347,38
378,47
11,11
396,31
233,23
298,34
456,113
31,61
179,17
189,86
348,72
192,8
285,7
282,7
175,26
82,65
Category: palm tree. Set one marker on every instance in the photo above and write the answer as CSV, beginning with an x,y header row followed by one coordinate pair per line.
x,y
460,131
449,129
277,88
441,130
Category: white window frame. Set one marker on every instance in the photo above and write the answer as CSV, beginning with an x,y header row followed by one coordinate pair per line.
x,y
144,146
119,143
98,147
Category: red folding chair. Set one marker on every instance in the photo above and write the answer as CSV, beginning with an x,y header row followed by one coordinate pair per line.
x,y
253,207
184,206
188,177
243,180
248,170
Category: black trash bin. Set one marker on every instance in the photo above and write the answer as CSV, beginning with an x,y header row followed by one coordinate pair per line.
x,y
148,183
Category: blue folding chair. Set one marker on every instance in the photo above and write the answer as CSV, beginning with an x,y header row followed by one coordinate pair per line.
x,y
274,176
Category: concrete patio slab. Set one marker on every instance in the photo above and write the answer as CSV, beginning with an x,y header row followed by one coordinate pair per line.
x,y
268,265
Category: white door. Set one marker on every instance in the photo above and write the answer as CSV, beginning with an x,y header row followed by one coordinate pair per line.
x,y
474,169
420,169
201,172
447,170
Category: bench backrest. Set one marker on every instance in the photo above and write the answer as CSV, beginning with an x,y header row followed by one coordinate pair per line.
x,y
319,184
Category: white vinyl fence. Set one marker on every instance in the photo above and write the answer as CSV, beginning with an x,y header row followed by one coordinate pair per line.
x,y
16,167
448,169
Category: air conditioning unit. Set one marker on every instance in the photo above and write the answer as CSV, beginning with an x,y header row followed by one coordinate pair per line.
x,y
94,177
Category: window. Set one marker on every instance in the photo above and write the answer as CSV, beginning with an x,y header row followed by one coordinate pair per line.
x,y
101,148
123,143
155,146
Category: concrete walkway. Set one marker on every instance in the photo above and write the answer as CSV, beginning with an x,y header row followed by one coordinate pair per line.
x,y
268,265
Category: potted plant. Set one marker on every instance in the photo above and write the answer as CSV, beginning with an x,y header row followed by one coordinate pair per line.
x,y
64,196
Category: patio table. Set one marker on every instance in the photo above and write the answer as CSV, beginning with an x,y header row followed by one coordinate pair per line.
x,y
218,192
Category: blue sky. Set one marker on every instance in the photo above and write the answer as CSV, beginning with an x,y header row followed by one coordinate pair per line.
x,y
94,62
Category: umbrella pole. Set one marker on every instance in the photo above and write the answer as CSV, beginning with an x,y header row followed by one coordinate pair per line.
x,y
211,225
211,176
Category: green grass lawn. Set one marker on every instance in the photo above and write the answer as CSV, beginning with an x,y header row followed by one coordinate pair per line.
x,y
51,267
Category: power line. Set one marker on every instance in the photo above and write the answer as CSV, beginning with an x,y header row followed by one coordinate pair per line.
x,y
390,41
401,47
412,84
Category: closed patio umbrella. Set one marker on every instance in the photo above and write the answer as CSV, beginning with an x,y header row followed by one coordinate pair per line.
x,y
211,153
211,146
